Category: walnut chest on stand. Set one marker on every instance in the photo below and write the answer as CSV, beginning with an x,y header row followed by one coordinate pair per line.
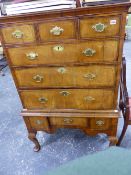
x,y
66,67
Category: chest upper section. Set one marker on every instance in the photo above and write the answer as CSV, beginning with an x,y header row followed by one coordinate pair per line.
x,y
62,29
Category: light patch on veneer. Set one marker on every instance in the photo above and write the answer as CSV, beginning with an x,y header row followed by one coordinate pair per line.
x,y
112,22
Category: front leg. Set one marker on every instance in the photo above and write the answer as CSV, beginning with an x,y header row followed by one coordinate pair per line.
x,y
32,137
113,140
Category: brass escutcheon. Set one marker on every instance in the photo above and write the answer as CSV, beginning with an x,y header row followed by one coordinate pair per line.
x,y
65,93
38,78
42,100
39,122
90,76
67,120
17,34
58,48
99,27
89,98
32,55
56,30
61,70
100,122
89,52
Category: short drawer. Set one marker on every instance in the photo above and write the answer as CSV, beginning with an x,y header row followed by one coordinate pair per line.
x,y
79,76
100,26
38,123
57,30
68,99
66,121
84,52
99,123
18,34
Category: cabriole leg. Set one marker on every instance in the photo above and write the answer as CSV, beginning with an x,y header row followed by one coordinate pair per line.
x,y
32,137
113,140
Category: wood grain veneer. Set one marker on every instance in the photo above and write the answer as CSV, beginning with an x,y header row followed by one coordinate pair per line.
x,y
70,79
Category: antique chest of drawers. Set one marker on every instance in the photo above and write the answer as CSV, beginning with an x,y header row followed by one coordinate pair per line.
x,y
66,67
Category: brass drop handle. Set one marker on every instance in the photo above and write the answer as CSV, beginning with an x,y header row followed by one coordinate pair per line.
x,y
17,34
100,123
58,48
90,76
38,78
43,100
32,55
89,99
99,27
65,93
56,31
89,52
62,70
39,122
68,120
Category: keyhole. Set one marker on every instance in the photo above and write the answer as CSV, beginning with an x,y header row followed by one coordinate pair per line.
x,y
58,48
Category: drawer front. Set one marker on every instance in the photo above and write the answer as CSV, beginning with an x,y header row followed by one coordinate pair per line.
x,y
65,53
19,34
68,99
38,123
99,123
66,121
80,76
57,30
100,26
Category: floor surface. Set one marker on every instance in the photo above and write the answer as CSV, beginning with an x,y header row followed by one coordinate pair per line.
x,y
16,154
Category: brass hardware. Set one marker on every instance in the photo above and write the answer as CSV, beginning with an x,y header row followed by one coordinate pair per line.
x,y
90,76
56,30
67,120
17,34
39,122
38,78
89,52
100,122
65,93
58,48
99,27
42,100
32,55
61,70
89,99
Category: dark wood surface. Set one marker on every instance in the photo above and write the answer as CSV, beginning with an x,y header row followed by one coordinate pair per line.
x,y
125,101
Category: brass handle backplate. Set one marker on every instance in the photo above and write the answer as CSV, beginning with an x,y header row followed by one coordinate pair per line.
x,y
56,30
65,93
38,78
32,55
100,122
89,98
58,48
90,76
68,120
42,100
99,27
17,34
89,52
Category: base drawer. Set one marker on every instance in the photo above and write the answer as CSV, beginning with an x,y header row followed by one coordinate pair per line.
x,y
100,123
65,121
38,123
